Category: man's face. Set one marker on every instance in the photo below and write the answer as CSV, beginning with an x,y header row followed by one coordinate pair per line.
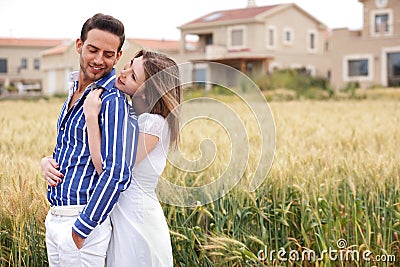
x,y
98,54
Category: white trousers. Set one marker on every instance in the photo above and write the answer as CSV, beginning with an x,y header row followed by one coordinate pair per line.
x,y
61,249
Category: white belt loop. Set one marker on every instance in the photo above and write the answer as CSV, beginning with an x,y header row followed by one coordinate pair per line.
x,y
68,211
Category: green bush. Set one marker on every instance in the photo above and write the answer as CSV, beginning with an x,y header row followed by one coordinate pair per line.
x,y
12,89
316,94
220,90
297,80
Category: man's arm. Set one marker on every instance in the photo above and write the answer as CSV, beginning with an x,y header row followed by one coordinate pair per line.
x,y
119,141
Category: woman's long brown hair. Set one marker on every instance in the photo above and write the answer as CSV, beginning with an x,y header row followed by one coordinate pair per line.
x,y
163,89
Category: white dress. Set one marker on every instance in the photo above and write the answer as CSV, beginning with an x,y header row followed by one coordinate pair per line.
x,y
140,236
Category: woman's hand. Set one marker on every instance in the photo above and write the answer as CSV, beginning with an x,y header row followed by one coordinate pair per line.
x,y
50,171
92,104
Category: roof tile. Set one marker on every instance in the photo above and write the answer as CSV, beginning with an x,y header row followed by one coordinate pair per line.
x,y
30,42
232,14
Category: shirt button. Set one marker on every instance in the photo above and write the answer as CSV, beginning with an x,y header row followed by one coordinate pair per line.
x,y
58,149
62,128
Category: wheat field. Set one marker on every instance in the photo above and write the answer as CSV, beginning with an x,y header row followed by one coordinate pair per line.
x,y
335,177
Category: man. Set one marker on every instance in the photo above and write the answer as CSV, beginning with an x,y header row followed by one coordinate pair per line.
x,y
78,227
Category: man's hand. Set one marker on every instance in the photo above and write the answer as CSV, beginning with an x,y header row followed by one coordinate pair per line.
x,y
78,240
50,171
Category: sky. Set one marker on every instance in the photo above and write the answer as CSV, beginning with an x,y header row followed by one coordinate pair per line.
x,y
153,19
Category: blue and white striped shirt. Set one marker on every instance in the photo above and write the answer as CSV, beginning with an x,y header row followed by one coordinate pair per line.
x,y
81,184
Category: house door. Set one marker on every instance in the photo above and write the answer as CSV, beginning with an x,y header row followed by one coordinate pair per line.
x,y
393,60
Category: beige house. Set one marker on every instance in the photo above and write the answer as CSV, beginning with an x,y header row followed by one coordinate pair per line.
x,y
21,64
59,61
257,40
370,56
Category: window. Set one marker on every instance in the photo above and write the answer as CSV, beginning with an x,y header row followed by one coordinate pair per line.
x,y
312,41
209,39
358,67
271,37
24,63
3,65
393,64
213,16
200,77
237,37
382,23
287,36
249,67
36,63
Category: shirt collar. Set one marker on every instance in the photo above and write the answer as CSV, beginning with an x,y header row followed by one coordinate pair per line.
x,y
106,82
73,76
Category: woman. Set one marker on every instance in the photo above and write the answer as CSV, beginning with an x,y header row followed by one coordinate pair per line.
x,y
140,234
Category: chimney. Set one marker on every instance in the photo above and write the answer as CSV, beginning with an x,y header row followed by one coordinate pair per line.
x,y
251,3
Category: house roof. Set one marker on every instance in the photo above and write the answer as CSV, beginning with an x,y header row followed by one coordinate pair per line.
x,y
243,14
58,46
152,44
31,42
228,15
157,44
59,49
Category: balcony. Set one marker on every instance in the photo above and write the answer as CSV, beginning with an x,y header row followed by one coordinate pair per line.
x,y
208,52
215,52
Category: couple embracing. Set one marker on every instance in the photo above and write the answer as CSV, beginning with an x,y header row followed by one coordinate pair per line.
x,y
109,155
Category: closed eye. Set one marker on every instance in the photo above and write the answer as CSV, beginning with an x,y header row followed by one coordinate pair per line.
x,y
133,72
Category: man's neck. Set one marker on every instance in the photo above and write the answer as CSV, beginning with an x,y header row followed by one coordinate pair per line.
x,y
83,82
82,86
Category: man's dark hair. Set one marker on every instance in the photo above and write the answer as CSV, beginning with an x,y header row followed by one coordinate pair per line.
x,y
105,23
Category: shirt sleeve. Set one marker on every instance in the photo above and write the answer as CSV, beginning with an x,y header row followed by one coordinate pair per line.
x,y
119,133
152,124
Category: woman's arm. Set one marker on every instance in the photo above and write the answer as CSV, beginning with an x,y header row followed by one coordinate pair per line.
x,y
146,143
91,109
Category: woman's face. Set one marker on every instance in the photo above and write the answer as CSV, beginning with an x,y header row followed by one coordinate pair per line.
x,y
131,77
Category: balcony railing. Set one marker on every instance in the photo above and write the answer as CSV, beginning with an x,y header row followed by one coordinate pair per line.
x,y
215,51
